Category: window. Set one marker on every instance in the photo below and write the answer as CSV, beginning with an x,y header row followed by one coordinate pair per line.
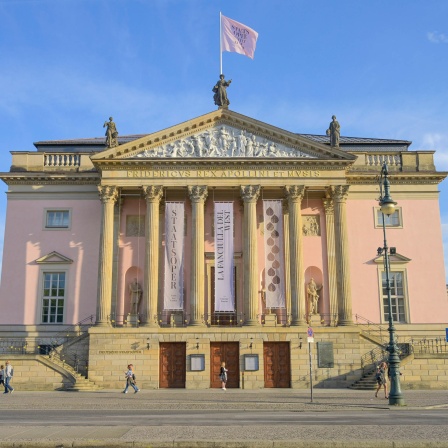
x,y
397,296
53,297
393,220
57,219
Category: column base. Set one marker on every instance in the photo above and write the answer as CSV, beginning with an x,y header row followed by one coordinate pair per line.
x,y
132,320
102,324
345,323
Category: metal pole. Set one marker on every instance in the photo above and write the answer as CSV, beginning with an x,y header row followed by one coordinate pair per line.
x,y
220,44
395,395
311,371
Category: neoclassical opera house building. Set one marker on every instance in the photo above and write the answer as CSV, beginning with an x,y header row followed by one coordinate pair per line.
x,y
218,239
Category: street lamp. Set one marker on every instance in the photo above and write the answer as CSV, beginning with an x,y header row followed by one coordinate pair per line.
x,y
387,208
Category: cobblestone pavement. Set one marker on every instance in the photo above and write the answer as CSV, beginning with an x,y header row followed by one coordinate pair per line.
x,y
244,435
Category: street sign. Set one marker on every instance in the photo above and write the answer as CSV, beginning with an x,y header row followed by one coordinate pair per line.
x,y
310,334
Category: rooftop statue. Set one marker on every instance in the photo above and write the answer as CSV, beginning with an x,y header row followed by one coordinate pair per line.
x,y
220,90
334,131
111,133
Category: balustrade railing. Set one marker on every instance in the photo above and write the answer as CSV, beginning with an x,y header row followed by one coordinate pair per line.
x,y
176,318
65,160
374,159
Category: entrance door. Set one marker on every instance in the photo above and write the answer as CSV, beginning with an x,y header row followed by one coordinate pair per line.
x,y
172,365
277,364
227,352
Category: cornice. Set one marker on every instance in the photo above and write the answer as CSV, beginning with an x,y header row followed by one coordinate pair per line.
x,y
50,179
415,178
211,163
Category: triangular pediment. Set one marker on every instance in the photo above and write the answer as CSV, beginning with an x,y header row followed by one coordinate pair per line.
x,y
54,258
223,134
393,259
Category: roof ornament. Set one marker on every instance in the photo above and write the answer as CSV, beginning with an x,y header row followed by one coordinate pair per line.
x,y
220,91
111,133
334,131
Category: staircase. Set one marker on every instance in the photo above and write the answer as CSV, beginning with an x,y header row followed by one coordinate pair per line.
x,y
77,382
367,382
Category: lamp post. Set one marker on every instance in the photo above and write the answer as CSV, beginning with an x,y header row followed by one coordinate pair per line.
x,y
387,208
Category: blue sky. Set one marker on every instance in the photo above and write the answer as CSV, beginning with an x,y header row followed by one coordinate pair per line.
x,y
380,66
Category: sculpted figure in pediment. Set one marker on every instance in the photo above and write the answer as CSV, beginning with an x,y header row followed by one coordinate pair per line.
x,y
223,141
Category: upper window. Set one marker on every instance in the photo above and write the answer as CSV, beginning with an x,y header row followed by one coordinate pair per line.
x,y
57,219
397,295
53,297
393,220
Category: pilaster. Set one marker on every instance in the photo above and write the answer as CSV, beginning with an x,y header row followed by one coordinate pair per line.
x,y
295,195
331,259
198,196
153,194
108,196
339,195
250,194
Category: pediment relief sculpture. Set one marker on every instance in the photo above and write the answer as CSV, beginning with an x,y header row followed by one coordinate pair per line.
x,y
224,141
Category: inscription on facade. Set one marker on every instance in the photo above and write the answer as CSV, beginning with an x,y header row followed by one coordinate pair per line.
x,y
157,174
119,352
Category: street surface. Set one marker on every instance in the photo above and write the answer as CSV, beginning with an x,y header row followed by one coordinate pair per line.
x,y
214,418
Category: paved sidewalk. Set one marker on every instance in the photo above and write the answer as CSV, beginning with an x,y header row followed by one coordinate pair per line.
x,y
108,434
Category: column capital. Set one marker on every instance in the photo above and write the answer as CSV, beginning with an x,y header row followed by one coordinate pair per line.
x,y
328,206
197,193
295,193
108,193
152,193
250,193
338,193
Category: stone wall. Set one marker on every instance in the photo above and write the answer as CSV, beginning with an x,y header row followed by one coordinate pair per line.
x,y
31,373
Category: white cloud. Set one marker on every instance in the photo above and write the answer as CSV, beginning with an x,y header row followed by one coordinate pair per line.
x,y
437,38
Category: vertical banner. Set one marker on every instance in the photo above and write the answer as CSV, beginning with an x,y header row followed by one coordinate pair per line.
x,y
224,282
173,298
273,252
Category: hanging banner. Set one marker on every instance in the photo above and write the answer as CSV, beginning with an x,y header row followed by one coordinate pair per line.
x,y
224,282
173,298
273,252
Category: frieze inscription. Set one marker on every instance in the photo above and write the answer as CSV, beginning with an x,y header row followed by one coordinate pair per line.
x,y
159,174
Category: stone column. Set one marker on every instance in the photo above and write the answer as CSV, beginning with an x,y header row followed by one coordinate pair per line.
x,y
198,195
250,194
331,259
287,262
295,195
148,312
108,196
339,196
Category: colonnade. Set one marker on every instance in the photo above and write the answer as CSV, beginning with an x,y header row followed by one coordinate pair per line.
x,y
334,205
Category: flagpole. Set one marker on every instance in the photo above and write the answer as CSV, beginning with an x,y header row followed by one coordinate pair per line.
x,y
220,44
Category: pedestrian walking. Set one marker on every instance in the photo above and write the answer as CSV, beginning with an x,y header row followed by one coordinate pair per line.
x,y
381,379
130,380
9,372
2,375
223,375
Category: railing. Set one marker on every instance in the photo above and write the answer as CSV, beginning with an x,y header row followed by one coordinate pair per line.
x,y
72,331
430,346
276,316
65,160
325,318
173,318
376,330
224,319
379,159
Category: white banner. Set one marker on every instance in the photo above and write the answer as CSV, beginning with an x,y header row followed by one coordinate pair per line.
x,y
273,252
224,282
174,256
237,37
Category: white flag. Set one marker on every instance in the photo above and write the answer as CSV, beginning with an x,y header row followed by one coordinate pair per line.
x,y
237,37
